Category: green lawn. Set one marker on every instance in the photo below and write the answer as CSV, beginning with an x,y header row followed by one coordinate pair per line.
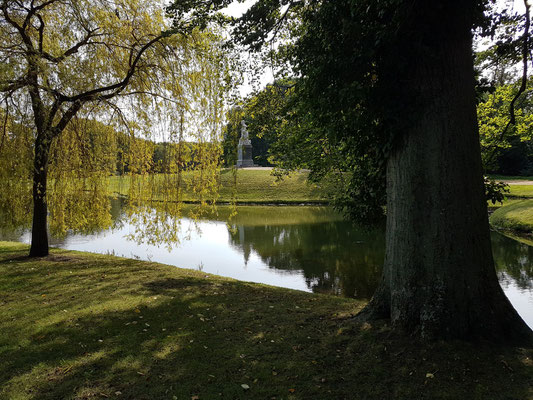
x,y
516,213
252,186
516,216
84,326
511,178
525,191
259,186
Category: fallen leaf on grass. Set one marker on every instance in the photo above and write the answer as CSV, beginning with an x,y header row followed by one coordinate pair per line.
x,y
245,386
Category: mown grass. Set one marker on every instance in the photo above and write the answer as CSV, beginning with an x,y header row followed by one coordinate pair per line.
x,y
521,191
251,186
516,190
511,178
259,186
85,326
516,216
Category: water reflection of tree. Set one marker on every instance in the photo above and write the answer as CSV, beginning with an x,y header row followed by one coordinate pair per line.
x,y
334,257
514,259
81,212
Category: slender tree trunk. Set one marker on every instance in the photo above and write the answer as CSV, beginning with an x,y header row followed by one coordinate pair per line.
x,y
439,277
39,232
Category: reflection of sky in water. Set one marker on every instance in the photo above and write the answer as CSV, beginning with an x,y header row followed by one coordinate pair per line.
x,y
522,299
321,256
209,251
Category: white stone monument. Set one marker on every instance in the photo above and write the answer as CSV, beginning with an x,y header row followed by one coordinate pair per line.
x,y
244,150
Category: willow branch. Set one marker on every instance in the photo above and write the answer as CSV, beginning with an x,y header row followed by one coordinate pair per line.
x,y
118,87
4,128
73,50
21,30
152,94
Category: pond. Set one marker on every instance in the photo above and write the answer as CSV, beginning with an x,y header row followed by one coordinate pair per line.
x,y
304,248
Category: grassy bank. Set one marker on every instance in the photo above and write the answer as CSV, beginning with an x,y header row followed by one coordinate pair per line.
x,y
516,216
251,186
79,326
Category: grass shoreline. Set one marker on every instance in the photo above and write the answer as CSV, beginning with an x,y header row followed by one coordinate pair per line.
x,y
259,187
516,217
78,326
254,186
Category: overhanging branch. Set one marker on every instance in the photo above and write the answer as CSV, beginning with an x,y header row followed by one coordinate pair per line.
x,y
525,62
117,87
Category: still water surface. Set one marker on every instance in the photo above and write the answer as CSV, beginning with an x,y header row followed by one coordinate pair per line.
x,y
303,248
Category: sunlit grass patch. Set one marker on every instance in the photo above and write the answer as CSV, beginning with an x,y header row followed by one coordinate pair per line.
x,y
517,216
521,190
251,186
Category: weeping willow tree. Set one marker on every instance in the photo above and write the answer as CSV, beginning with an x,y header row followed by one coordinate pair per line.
x,y
78,79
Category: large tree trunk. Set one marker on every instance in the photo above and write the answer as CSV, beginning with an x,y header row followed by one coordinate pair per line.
x,y
439,277
39,232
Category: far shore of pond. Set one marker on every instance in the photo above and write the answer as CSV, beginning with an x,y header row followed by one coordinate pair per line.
x,y
79,325
257,186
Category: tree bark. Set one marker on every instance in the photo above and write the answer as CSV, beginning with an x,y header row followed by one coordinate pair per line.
x,y
39,233
439,279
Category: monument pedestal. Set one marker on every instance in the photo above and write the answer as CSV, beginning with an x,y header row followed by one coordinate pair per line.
x,y
244,150
244,158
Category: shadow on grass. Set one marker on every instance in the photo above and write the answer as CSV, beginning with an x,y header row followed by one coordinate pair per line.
x,y
170,284
116,328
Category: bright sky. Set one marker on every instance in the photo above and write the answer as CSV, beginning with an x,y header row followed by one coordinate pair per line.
x,y
236,9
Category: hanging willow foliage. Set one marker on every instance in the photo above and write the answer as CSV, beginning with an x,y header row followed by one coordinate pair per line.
x,y
15,174
173,90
